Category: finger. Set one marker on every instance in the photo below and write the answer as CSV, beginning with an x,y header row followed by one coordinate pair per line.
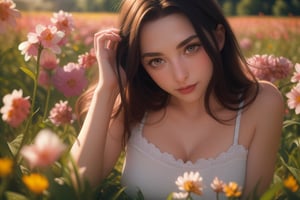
x,y
114,30
106,40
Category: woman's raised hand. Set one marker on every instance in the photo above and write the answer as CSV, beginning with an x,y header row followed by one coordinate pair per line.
x,y
105,44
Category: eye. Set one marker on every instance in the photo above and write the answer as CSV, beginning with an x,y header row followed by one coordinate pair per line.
x,y
192,48
155,62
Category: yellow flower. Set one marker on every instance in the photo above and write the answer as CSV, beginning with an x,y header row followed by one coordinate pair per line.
x,y
36,183
232,190
6,166
190,182
291,184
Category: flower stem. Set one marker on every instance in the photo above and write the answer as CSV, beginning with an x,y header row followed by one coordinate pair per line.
x,y
47,103
37,72
3,186
189,197
29,121
286,85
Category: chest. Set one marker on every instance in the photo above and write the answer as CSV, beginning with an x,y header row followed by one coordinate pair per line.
x,y
190,140
155,172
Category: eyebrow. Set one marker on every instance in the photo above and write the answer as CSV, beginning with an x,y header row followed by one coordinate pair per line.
x,y
181,44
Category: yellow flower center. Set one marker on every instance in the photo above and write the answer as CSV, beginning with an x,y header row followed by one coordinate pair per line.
x,y
4,14
6,166
65,23
291,184
47,35
232,190
191,186
36,183
298,99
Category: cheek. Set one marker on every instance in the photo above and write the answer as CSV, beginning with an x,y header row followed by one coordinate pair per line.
x,y
156,76
159,77
203,66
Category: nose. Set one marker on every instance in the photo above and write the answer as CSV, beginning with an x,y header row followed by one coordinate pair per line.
x,y
180,71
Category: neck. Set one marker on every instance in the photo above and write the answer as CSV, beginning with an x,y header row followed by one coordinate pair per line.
x,y
192,109
195,108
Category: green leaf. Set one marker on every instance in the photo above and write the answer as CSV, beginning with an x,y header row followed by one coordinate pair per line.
x,y
287,123
170,196
14,196
118,194
28,72
64,191
270,193
15,144
294,171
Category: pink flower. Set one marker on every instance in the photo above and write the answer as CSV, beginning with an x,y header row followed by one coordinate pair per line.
x,y
30,47
293,96
63,21
88,59
269,67
48,60
217,185
61,114
49,37
296,76
46,149
16,108
70,79
246,43
44,78
8,14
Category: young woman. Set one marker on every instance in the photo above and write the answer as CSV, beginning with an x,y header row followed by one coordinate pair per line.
x,y
175,92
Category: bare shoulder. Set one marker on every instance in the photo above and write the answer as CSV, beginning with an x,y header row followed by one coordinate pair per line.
x,y
268,108
263,126
269,97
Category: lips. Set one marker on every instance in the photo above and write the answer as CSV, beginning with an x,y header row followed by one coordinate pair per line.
x,y
187,89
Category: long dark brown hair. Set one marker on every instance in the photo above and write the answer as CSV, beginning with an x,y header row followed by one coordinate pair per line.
x,y
232,82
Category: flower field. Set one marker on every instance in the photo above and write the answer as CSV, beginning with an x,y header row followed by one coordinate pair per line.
x,y
47,61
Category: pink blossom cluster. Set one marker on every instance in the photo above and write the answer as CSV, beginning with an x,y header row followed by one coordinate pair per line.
x,y
70,79
88,59
293,95
16,108
64,22
8,14
45,150
48,63
270,67
44,36
51,37
61,114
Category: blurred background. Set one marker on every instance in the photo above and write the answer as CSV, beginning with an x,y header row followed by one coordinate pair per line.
x,y
230,7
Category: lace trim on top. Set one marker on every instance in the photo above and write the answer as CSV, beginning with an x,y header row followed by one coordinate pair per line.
x,y
235,151
138,141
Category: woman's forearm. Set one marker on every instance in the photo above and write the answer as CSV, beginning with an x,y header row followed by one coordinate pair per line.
x,y
88,150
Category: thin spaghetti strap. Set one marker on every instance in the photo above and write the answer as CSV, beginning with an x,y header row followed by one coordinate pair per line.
x,y
142,123
237,124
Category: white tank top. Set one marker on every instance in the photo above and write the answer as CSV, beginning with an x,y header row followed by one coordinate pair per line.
x,y
153,172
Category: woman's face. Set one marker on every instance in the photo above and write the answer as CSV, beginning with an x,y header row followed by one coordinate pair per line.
x,y
174,57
